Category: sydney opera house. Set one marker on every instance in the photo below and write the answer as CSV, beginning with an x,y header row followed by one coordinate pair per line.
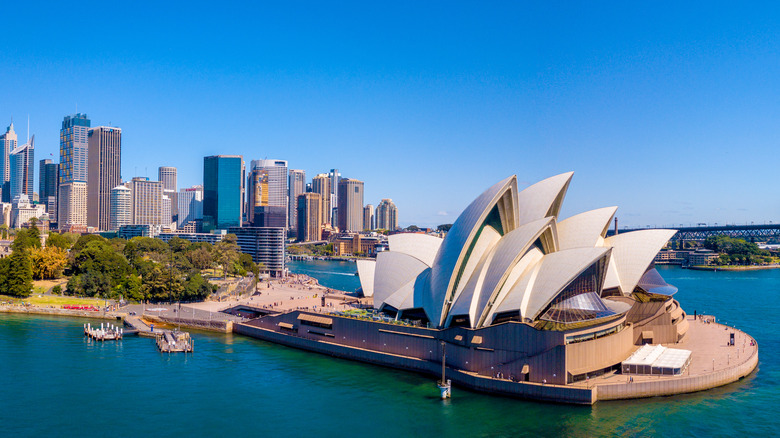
x,y
525,304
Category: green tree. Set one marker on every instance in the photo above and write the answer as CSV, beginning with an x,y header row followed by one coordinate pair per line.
x,y
196,288
226,252
57,240
18,281
444,227
26,239
131,288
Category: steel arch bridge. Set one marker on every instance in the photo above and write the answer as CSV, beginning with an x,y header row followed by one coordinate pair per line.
x,y
752,233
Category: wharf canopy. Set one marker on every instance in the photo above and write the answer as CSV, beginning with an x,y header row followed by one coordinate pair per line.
x,y
508,258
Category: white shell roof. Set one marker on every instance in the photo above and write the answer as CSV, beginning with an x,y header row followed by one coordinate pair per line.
x,y
556,271
457,242
633,252
543,198
518,280
393,270
480,271
366,269
584,229
507,253
420,246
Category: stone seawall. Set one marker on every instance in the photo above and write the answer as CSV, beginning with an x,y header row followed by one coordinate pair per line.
x,y
536,391
214,326
31,310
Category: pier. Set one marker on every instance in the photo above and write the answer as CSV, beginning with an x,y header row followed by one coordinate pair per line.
x,y
107,332
174,342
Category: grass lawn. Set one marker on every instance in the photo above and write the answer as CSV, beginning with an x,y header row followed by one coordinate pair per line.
x,y
54,301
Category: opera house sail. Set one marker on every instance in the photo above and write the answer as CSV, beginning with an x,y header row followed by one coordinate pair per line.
x,y
526,304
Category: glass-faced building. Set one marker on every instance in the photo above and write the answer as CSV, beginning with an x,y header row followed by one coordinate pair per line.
x,y
222,191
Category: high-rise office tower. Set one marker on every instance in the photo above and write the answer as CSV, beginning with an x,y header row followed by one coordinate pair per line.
x,y
321,184
268,180
350,209
386,215
222,191
368,217
7,144
22,160
167,175
105,164
190,202
146,205
296,186
309,216
74,146
335,178
121,199
48,183
166,217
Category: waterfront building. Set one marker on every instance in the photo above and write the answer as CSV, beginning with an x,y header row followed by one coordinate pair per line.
x,y
368,217
120,201
48,183
8,143
335,178
104,173
296,186
356,244
309,214
386,215
350,205
146,201
222,191
190,201
22,164
74,146
265,245
268,187
321,184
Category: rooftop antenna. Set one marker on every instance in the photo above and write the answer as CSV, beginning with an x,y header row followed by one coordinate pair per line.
x,y
28,128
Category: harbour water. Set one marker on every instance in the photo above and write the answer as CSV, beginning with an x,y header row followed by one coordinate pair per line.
x,y
54,382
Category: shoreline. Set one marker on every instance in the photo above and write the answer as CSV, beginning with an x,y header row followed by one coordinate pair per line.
x,y
732,268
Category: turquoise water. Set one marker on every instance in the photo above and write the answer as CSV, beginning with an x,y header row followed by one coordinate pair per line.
x,y
53,382
336,275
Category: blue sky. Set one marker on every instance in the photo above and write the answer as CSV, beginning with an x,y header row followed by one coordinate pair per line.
x,y
668,110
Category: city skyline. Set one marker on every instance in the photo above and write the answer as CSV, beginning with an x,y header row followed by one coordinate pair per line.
x,y
662,120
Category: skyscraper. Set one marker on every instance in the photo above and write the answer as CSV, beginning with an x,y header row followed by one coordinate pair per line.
x,y
121,207
167,175
190,202
368,217
222,191
74,144
309,216
22,164
350,208
321,184
7,144
386,215
48,182
335,177
268,181
296,186
105,165
146,205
